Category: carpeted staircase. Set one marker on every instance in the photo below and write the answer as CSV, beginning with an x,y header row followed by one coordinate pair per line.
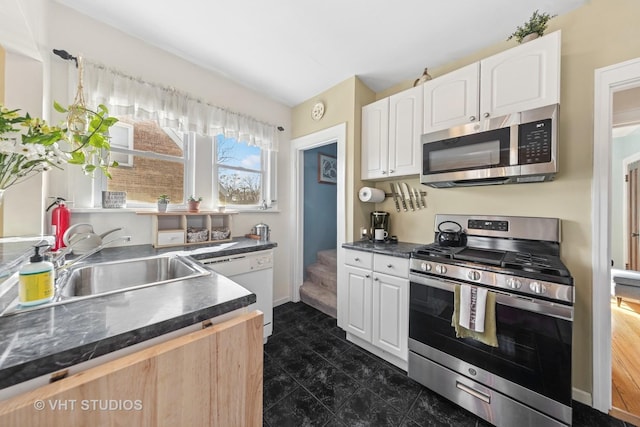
x,y
319,289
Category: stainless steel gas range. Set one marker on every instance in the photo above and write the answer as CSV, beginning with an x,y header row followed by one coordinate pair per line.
x,y
524,377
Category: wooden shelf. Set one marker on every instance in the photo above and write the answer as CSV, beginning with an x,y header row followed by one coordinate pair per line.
x,y
177,228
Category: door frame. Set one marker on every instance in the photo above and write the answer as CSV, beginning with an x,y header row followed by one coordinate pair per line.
x,y
625,204
336,134
608,80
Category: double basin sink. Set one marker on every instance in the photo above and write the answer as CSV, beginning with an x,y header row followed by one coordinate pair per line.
x,y
92,280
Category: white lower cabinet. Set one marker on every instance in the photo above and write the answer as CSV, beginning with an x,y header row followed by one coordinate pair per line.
x,y
390,314
377,306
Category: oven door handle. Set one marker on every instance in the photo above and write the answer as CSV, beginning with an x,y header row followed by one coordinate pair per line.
x,y
534,305
475,393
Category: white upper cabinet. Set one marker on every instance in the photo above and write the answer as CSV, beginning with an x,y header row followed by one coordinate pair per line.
x,y
405,130
391,130
375,139
518,79
522,78
452,99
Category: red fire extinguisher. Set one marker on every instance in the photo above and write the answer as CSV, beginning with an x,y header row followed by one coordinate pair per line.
x,y
60,218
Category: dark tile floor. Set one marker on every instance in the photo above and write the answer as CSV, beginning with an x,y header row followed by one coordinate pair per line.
x,y
314,377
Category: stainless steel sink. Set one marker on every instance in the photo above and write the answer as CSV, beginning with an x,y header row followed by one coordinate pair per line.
x,y
84,281
119,276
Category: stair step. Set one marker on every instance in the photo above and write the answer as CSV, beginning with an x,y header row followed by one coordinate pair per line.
x,y
319,297
328,257
323,275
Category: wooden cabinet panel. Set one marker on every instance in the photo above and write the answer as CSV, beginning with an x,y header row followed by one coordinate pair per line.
x,y
209,377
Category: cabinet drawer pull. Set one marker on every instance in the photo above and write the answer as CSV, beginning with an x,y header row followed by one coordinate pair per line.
x,y
389,265
484,397
356,259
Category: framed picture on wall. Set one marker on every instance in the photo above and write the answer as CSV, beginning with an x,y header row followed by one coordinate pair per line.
x,y
327,169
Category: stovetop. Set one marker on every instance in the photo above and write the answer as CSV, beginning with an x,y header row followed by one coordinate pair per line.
x,y
547,267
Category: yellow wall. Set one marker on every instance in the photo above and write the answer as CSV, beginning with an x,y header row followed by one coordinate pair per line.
x,y
343,104
599,34
2,74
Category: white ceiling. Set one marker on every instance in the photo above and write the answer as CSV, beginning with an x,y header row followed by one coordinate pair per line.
x,y
291,50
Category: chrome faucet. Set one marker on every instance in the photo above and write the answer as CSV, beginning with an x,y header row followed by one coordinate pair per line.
x,y
58,258
92,251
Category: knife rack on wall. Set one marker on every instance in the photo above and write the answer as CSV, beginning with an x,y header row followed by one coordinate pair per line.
x,y
410,198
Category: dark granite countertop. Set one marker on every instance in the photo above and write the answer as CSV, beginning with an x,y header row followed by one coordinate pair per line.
x,y
42,341
399,249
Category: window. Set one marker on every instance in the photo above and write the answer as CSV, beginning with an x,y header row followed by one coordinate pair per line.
x,y
152,161
244,174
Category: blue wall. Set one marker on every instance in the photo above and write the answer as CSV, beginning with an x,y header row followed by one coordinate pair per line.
x,y
320,207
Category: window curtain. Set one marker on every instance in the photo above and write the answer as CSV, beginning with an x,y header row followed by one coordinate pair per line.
x,y
131,96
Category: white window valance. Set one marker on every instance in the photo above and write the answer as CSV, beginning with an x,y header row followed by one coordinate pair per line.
x,y
131,96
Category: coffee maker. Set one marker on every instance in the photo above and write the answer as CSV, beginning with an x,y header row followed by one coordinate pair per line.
x,y
379,226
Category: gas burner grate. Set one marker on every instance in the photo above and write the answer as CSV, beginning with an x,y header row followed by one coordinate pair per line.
x,y
535,263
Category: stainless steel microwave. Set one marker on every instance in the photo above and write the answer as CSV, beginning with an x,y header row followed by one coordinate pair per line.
x,y
517,148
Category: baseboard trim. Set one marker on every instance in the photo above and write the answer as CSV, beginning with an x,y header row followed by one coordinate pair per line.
x,y
281,301
582,397
625,416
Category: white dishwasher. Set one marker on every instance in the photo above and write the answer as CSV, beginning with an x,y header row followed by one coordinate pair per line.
x,y
254,271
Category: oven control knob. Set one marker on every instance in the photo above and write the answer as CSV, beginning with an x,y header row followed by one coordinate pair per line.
x,y
425,266
441,269
537,288
473,275
514,283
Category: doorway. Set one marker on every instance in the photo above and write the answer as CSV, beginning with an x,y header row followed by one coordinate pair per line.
x,y
608,81
336,134
625,256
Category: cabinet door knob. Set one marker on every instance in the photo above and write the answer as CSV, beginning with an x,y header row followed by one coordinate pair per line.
x,y
367,276
391,171
486,115
384,172
472,118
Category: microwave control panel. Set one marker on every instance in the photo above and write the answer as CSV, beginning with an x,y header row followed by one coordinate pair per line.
x,y
534,142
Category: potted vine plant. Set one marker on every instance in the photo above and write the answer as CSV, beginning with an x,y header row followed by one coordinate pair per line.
x,y
163,201
29,145
194,203
533,28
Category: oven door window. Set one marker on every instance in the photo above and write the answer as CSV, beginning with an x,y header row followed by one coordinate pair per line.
x,y
534,350
482,150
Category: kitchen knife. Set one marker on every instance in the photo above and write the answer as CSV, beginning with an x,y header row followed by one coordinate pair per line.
x,y
404,202
407,195
395,197
422,200
416,197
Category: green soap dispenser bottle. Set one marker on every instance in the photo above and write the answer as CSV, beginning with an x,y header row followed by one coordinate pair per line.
x,y
37,280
